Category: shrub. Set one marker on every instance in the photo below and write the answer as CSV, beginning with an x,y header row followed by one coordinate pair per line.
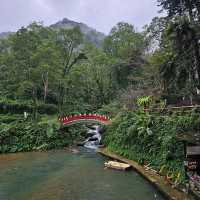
x,y
18,107
28,135
47,109
152,138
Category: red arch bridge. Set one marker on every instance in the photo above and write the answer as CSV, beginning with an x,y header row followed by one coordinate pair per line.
x,y
69,120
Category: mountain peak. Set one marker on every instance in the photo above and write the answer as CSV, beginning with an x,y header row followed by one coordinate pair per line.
x,y
66,21
91,34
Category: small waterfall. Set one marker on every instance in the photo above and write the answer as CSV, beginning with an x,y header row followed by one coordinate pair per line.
x,y
94,140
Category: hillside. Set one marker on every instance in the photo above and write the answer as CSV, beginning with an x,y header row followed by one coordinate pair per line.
x,y
5,34
91,34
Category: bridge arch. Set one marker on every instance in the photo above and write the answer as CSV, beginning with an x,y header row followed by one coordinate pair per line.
x,y
84,118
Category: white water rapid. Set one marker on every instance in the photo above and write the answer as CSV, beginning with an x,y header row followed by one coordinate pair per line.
x,y
94,140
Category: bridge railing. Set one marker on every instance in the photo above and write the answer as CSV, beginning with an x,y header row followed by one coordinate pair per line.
x,y
94,117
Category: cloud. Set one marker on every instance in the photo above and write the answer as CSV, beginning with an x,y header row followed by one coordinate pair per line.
x,y
100,14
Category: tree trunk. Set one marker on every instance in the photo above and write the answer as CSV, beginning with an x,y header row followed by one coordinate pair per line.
x,y
196,51
197,65
35,106
61,94
45,83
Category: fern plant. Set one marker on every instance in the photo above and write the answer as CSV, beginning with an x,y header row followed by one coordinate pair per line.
x,y
144,101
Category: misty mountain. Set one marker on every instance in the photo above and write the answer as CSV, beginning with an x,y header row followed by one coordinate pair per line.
x,y
5,34
91,35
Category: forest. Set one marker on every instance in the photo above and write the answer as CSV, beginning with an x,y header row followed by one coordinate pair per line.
x,y
49,72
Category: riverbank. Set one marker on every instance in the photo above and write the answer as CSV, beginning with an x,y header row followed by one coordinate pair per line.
x,y
158,181
18,134
154,140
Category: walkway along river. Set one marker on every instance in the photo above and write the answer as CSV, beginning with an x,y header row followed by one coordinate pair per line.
x,y
63,175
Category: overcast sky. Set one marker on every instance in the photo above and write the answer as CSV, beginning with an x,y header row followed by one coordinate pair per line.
x,y
99,14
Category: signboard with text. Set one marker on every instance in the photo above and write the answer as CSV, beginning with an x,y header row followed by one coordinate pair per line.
x,y
193,159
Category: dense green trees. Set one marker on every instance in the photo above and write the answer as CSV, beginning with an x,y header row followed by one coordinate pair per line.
x,y
32,63
48,70
57,66
181,7
68,41
128,47
177,51
124,42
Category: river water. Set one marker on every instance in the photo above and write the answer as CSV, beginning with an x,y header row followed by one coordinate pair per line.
x,y
62,175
